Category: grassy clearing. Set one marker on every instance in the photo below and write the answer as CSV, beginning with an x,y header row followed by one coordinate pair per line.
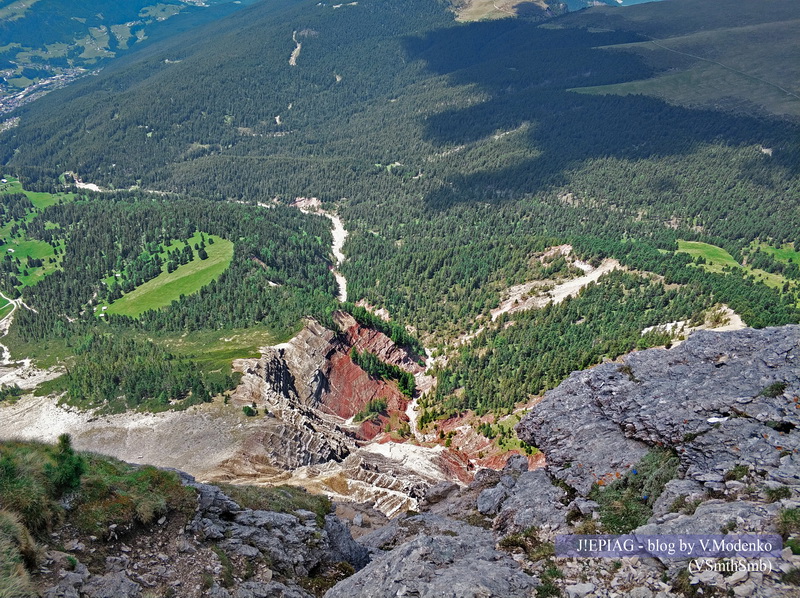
x,y
167,287
5,308
214,350
25,248
786,253
717,259
22,247
45,354
40,200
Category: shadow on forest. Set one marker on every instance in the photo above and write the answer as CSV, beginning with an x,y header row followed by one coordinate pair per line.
x,y
527,72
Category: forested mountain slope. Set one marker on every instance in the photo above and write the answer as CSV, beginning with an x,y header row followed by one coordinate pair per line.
x,y
457,154
44,44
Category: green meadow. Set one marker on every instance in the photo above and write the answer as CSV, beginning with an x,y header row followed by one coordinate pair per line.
x,y
21,246
717,259
167,287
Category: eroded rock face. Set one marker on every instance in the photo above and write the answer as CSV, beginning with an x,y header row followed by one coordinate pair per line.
x,y
367,339
308,388
314,370
721,399
295,544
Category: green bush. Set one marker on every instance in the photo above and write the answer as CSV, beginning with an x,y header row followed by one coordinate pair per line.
x,y
775,389
372,408
738,472
66,473
627,503
779,493
788,522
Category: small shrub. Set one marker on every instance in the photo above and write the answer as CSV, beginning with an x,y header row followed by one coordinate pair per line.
x,y
774,390
627,503
682,587
249,411
227,566
628,371
728,527
792,577
68,469
478,520
788,522
587,528
548,587
683,505
325,579
779,493
738,472
528,541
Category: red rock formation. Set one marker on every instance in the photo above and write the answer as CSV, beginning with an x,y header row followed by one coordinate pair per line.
x,y
350,388
367,339
482,451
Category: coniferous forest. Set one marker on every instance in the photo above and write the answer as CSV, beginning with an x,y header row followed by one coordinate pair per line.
x,y
455,153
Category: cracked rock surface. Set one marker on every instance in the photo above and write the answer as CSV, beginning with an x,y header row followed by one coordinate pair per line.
x,y
720,399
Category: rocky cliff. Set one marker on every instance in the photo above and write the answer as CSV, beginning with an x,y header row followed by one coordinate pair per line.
x,y
307,391
700,438
721,400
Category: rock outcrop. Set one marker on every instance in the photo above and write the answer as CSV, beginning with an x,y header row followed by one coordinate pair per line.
x,y
435,557
721,399
720,409
309,388
224,551
314,370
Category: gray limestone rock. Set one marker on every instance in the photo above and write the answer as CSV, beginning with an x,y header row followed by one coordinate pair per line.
x,y
708,397
295,543
489,500
112,585
443,559
690,490
715,517
342,545
438,492
516,464
273,589
533,501
579,590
